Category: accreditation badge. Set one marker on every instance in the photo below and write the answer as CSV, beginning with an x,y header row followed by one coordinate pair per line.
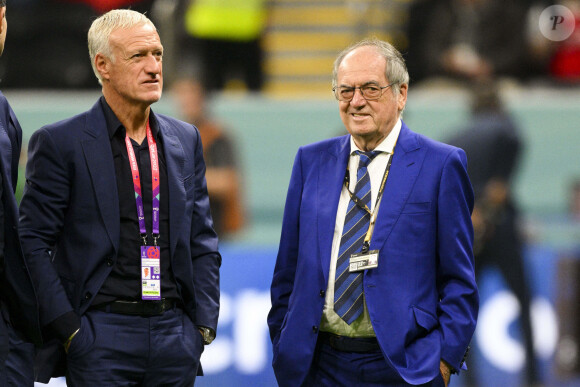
x,y
364,261
150,273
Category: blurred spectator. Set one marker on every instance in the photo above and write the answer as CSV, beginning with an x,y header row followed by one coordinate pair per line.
x,y
567,357
227,37
420,12
565,62
540,48
223,181
493,147
574,201
469,39
48,42
48,46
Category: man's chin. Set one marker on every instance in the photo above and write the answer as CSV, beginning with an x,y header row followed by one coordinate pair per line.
x,y
152,97
359,131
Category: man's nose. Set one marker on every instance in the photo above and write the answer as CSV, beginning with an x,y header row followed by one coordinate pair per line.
x,y
153,65
357,98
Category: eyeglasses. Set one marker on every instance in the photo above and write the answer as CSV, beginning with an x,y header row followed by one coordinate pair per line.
x,y
370,92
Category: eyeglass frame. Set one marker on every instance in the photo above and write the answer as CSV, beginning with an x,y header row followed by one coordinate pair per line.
x,y
335,88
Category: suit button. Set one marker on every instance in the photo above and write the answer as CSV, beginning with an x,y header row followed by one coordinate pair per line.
x,y
314,329
322,293
87,295
109,261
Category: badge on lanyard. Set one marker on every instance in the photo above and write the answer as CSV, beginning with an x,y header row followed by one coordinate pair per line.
x,y
150,273
367,259
150,255
364,261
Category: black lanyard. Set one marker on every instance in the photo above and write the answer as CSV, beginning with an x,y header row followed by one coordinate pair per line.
x,y
363,206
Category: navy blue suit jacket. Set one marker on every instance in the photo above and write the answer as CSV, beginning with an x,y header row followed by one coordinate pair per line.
x,y
16,287
422,298
70,226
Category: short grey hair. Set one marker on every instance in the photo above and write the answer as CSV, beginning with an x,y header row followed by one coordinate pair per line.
x,y
103,27
396,70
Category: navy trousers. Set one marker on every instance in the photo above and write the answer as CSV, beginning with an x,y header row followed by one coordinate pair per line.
x,y
332,368
16,359
120,350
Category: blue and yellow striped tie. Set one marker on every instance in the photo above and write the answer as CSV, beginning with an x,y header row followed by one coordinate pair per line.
x,y
348,289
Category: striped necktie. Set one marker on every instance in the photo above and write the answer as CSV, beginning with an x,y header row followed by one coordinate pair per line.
x,y
348,290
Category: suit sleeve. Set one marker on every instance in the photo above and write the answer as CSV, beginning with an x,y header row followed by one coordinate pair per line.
x,y
204,248
42,211
1,226
17,146
285,269
459,299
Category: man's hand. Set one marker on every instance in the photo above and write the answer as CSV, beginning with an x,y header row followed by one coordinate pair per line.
x,y
445,370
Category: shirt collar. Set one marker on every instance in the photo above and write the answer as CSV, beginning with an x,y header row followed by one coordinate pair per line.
x,y
388,143
114,125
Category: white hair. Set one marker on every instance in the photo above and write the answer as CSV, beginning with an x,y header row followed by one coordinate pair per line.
x,y
103,27
396,70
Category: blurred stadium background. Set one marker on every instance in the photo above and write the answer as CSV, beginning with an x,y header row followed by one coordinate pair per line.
x,y
46,76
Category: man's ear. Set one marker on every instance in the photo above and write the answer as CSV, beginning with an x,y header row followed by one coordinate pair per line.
x,y
402,96
102,65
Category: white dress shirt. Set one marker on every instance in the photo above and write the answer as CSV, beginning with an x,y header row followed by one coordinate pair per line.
x,y
331,322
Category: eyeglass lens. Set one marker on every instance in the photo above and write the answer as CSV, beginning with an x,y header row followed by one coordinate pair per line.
x,y
369,92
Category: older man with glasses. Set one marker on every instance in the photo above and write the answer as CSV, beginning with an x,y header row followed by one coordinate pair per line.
x,y
374,282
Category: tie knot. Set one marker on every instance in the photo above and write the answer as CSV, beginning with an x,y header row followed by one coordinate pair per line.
x,y
366,157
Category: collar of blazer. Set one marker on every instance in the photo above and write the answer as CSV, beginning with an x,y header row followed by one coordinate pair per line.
x,y
97,151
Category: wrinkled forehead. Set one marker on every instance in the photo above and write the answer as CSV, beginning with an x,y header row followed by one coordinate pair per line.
x,y
140,36
363,64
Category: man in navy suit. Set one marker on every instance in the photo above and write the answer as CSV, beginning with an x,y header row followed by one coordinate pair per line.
x,y
19,310
116,226
374,280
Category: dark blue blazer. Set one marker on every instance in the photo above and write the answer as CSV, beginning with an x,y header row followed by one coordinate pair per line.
x,y
422,298
16,287
69,216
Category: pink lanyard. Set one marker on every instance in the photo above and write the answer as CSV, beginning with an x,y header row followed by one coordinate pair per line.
x,y
154,183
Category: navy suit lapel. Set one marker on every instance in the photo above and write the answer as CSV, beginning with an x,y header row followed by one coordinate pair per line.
x,y
330,178
405,168
12,133
98,156
174,158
